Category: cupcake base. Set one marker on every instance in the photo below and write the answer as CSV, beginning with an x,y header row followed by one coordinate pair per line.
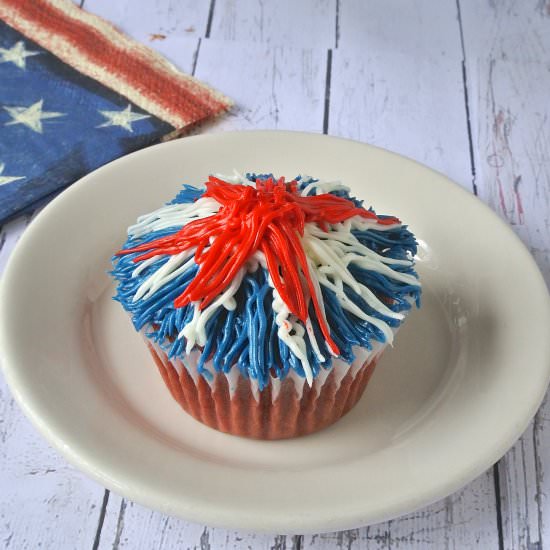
x,y
274,413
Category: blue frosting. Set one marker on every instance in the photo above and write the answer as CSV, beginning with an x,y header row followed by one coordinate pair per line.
x,y
246,337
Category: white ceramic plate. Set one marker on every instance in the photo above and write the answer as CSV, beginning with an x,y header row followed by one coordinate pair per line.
x,y
467,373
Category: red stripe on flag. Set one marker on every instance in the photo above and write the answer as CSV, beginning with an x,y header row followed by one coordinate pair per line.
x,y
97,49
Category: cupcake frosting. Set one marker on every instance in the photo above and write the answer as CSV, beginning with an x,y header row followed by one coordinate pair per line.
x,y
267,276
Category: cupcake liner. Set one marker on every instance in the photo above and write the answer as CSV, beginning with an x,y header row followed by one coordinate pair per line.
x,y
285,408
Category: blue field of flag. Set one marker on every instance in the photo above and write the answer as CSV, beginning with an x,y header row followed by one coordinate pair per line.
x,y
56,124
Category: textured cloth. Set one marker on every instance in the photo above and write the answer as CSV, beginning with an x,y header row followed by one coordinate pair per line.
x,y
76,93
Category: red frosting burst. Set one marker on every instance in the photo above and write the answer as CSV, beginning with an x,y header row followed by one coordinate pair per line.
x,y
269,217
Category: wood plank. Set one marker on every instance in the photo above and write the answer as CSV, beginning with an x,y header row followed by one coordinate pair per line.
x,y
507,45
308,23
519,494
129,525
407,103
10,233
172,28
394,41
273,87
513,29
511,128
154,17
44,502
35,478
459,521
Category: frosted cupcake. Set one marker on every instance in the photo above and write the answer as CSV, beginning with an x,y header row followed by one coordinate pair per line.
x,y
264,303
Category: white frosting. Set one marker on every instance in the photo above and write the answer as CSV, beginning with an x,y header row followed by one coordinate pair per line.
x,y
173,215
330,254
195,331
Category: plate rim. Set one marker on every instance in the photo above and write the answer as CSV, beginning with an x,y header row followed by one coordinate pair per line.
x,y
437,491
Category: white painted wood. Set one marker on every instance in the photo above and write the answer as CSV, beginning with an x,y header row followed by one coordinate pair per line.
x,y
307,23
514,29
273,87
44,502
541,437
147,18
133,527
407,103
170,27
521,521
508,78
422,28
459,521
397,82
9,235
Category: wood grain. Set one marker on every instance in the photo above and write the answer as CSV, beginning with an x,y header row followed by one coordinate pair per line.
x,y
508,73
285,89
308,23
273,87
397,82
511,137
423,29
9,235
459,521
541,448
130,526
38,487
44,502
398,101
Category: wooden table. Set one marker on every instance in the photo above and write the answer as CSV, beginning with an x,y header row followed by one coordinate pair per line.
x,y
460,85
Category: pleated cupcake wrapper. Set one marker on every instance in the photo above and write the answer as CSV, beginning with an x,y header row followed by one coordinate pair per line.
x,y
231,403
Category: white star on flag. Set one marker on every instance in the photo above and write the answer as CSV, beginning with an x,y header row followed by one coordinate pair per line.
x,y
122,118
16,54
8,179
31,116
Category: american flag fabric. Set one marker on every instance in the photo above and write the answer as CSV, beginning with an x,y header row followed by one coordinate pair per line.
x,y
76,93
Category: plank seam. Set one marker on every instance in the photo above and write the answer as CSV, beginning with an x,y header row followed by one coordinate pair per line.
x,y
210,18
466,100
337,24
496,481
101,519
119,524
538,474
327,92
496,473
196,57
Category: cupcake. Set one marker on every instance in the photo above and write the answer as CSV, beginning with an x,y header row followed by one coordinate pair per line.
x,y
266,303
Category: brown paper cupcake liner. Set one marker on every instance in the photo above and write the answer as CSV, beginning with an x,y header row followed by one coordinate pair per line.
x,y
284,409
